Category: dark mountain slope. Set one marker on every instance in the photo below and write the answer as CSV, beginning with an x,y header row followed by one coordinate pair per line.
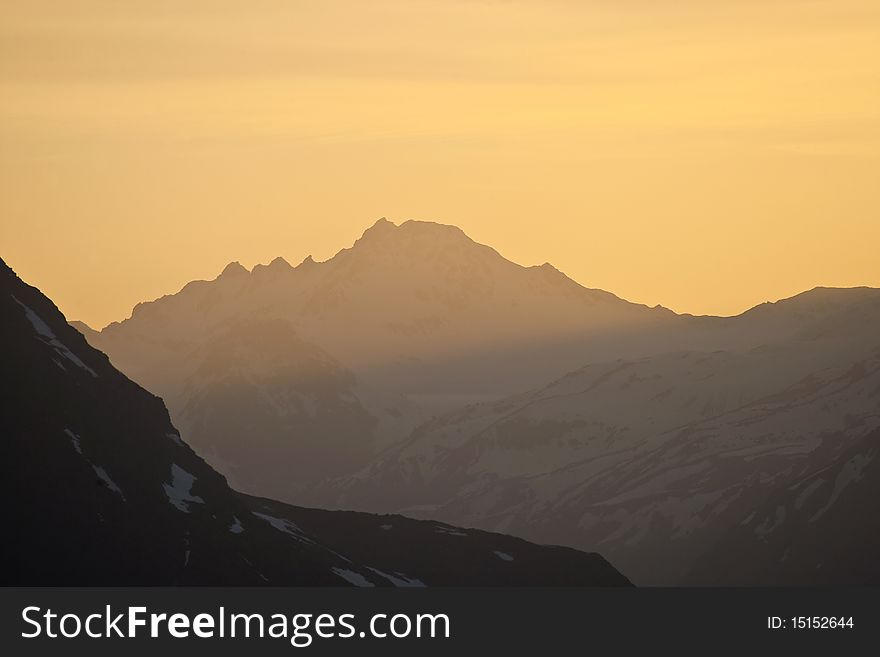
x,y
659,461
101,490
823,528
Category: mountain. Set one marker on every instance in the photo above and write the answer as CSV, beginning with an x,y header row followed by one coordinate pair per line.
x,y
102,490
824,527
657,460
285,376
88,332
419,372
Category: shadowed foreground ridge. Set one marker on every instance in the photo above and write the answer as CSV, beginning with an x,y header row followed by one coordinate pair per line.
x,y
103,491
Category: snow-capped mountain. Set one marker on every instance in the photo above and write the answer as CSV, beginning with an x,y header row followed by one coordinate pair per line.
x,y
102,490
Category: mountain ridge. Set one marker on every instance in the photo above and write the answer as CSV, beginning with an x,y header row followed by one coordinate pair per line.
x,y
398,368
382,233
108,493
418,314
386,231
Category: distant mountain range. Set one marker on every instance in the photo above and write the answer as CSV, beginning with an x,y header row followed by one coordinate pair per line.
x,y
422,373
102,490
286,376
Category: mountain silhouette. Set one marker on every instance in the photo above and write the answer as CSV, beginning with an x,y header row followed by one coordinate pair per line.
x,y
312,370
419,372
105,491
657,461
823,527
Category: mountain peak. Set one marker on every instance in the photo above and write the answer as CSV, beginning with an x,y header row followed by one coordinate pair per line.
x,y
233,269
412,231
414,226
279,263
381,228
277,266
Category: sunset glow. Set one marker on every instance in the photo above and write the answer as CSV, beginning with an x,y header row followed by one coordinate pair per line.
x,y
703,156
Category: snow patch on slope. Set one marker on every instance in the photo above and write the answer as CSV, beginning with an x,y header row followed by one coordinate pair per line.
x,y
103,476
179,490
399,579
450,531
284,525
75,440
47,336
352,577
850,472
771,524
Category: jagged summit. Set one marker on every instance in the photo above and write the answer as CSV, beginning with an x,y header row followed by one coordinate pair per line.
x,y
233,269
411,235
411,230
453,279
278,266
420,242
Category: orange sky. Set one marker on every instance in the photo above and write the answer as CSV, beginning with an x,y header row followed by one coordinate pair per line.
x,y
706,156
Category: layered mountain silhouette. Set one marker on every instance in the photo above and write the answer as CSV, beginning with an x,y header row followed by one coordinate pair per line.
x,y
419,372
821,527
102,490
285,376
606,455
